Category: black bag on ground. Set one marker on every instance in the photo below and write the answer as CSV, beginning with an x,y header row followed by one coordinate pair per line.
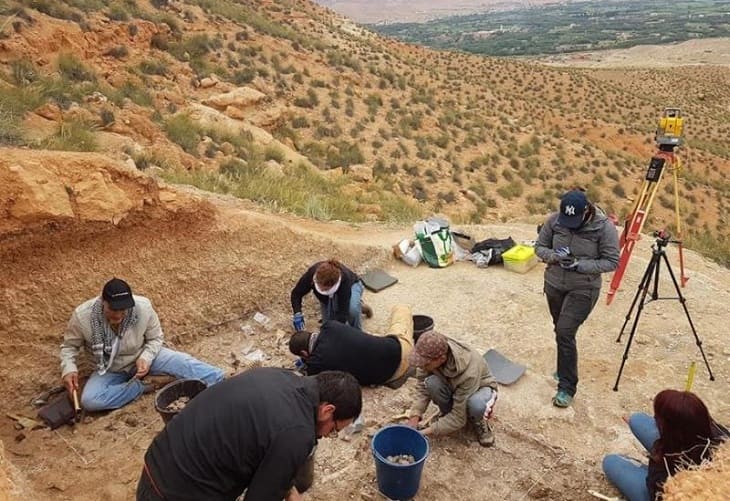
x,y
498,247
58,412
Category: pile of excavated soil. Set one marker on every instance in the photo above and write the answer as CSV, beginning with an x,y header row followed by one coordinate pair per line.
x,y
209,271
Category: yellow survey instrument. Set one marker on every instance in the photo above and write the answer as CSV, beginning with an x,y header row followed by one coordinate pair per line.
x,y
669,131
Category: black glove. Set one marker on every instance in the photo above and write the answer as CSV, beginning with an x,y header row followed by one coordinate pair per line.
x,y
569,263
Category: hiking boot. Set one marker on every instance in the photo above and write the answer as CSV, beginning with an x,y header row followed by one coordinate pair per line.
x,y
484,431
366,310
562,399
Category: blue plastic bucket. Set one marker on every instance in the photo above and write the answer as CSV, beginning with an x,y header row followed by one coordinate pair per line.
x,y
399,481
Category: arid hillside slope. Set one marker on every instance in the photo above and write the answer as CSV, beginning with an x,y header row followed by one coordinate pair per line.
x,y
210,262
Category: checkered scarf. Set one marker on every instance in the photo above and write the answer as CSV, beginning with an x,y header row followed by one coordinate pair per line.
x,y
102,335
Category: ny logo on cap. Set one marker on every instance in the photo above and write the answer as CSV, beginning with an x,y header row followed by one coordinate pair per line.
x,y
570,210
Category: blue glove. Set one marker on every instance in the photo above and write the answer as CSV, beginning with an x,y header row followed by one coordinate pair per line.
x,y
298,321
569,263
562,252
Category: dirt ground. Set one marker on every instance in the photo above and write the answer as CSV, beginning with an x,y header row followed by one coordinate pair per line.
x,y
209,272
709,51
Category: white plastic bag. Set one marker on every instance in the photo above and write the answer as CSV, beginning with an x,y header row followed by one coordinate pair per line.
x,y
409,252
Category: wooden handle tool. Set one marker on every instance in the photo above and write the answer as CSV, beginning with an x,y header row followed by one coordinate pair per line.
x,y
77,406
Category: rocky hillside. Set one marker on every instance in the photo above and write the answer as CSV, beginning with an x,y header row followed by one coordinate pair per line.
x,y
285,103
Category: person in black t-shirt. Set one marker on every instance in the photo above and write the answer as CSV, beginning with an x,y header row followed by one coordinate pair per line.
x,y
251,433
373,360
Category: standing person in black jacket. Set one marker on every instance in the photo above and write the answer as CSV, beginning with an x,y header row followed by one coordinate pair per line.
x,y
578,244
373,360
251,433
338,289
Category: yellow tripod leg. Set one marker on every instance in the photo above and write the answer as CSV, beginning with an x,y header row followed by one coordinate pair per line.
x,y
676,169
690,376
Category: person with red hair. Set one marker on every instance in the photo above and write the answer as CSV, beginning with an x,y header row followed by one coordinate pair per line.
x,y
339,291
681,433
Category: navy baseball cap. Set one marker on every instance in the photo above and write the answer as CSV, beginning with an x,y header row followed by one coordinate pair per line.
x,y
573,206
118,294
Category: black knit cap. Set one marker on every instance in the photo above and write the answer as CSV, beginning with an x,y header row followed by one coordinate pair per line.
x,y
118,294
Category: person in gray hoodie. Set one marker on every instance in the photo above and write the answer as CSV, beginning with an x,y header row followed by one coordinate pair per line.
x,y
579,243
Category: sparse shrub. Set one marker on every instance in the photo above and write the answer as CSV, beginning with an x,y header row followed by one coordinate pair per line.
x,y
159,41
244,76
117,12
54,8
618,190
300,122
149,67
310,101
192,48
302,102
136,94
74,135
373,102
418,190
274,153
107,117
23,72
512,190
73,69
345,155
211,150
182,130
118,52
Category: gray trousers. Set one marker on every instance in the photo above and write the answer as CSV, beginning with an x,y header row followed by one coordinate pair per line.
x,y
478,406
569,310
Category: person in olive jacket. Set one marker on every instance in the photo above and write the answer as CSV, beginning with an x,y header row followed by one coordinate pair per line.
x,y
579,243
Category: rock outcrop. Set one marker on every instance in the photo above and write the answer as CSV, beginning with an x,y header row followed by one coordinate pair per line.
x,y
40,187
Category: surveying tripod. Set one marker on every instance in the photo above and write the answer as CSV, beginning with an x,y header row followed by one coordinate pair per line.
x,y
668,138
658,255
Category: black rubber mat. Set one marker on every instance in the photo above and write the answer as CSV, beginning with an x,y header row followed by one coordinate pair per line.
x,y
504,370
376,280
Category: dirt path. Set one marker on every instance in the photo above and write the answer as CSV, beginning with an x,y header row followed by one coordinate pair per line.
x,y
209,278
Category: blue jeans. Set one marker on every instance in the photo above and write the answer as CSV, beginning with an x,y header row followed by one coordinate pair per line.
x,y
629,475
442,395
116,389
354,311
